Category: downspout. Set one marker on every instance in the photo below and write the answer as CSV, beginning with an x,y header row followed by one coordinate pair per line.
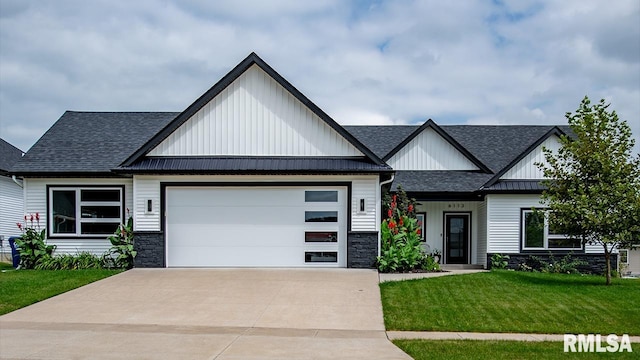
x,y
393,176
15,180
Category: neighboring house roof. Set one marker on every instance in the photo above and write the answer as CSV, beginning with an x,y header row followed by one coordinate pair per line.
x,y
9,155
90,142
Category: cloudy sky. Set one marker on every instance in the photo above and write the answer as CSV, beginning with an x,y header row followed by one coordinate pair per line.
x,y
362,62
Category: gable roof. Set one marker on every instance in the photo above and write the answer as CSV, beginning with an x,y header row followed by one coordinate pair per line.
x,y
90,142
553,131
9,155
235,73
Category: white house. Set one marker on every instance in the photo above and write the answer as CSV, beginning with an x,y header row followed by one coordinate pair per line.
x,y
253,173
11,195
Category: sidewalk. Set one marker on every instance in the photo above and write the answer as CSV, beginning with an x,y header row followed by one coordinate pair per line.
x,y
410,276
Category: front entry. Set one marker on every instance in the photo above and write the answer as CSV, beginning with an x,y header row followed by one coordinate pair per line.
x,y
457,228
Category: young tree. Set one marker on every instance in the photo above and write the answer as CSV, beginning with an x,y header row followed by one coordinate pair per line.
x,y
593,181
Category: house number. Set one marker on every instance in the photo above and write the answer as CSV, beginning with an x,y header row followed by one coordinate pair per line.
x,y
456,206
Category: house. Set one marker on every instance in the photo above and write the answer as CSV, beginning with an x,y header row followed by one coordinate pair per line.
x,y
11,200
253,173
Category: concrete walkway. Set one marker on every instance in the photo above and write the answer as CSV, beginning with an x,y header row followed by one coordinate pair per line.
x,y
412,276
207,314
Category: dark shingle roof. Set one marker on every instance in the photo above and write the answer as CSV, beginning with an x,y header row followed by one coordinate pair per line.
x,y
250,165
9,155
440,181
91,142
381,139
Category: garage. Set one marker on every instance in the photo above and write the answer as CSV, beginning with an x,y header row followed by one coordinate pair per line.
x,y
266,226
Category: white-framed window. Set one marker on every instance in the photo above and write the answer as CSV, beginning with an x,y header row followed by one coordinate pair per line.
x,y
538,235
84,211
623,256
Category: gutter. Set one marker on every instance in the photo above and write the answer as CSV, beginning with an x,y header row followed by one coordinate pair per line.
x,y
15,180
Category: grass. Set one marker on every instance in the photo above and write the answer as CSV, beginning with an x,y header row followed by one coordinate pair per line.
x,y
20,288
509,301
497,350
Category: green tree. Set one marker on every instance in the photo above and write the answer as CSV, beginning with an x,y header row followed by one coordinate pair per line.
x,y
593,181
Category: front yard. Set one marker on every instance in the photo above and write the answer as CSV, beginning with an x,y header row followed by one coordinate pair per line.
x,y
508,301
20,288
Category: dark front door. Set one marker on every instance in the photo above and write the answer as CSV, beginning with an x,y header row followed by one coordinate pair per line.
x,y
456,238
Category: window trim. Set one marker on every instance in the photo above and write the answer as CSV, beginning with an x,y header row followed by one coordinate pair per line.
x,y
546,234
79,204
626,251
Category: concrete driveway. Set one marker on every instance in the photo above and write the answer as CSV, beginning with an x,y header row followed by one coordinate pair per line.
x,y
207,314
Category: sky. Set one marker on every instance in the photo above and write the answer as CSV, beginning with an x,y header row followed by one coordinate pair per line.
x,y
362,62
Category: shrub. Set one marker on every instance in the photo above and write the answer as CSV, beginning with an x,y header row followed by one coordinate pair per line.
x,y
121,253
32,245
565,265
82,260
401,249
499,261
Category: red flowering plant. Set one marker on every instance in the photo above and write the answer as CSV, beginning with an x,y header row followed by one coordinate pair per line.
x,y
32,245
401,250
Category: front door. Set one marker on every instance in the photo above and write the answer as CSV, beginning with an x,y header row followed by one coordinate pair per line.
x,y
456,238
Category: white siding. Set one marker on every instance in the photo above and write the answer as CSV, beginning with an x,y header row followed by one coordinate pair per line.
x,y
434,230
430,151
255,116
503,221
526,168
11,208
36,201
363,187
482,233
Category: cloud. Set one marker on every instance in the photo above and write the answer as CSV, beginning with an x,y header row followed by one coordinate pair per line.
x,y
504,62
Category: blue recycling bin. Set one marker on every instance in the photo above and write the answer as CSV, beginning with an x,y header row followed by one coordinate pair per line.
x,y
15,255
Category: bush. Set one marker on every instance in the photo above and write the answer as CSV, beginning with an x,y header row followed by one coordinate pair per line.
x,y
565,265
121,253
32,245
499,261
82,260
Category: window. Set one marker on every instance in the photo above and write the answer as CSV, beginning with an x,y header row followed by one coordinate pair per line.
x,y
321,257
623,256
321,196
538,235
320,237
321,216
91,212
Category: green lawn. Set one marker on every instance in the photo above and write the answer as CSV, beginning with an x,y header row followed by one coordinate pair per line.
x,y
508,301
497,350
19,288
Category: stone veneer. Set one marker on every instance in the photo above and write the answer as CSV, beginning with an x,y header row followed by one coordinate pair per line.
x,y
150,248
362,249
595,262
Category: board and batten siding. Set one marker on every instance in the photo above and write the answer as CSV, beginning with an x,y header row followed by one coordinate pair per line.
x,y
255,116
526,168
363,187
503,222
482,233
430,151
11,208
35,191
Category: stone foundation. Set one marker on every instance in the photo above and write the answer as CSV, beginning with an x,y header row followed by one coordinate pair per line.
x,y
150,248
362,249
596,263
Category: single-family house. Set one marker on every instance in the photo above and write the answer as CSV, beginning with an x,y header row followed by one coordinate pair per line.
x,y
11,194
253,173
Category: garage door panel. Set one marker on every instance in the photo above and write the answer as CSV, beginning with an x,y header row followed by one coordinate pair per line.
x,y
233,226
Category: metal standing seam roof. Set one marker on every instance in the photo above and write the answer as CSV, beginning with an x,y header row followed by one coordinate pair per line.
x,y
9,155
252,164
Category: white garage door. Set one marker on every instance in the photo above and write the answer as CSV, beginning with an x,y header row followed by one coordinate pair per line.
x,y
256,226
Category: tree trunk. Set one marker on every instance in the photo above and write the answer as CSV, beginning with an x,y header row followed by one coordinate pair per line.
x,y
607,257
